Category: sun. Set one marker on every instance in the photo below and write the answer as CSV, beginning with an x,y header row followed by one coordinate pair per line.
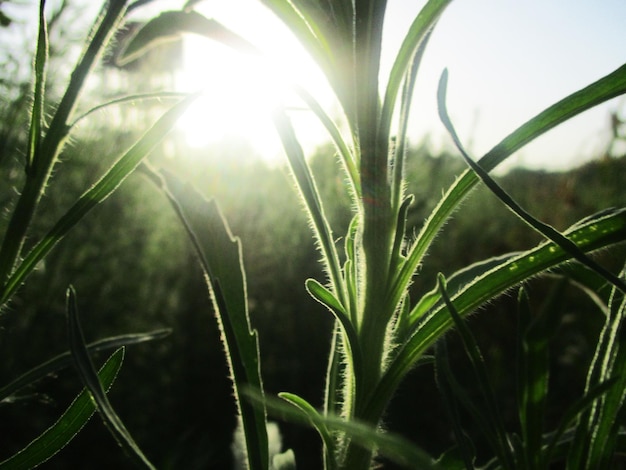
x,y
240,90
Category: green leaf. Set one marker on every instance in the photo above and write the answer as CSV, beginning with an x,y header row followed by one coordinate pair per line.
x,y
65,359
597,433
90,379
610,86
310,196
416,37
220,256
170,25
37,113
546,230
51,146
349,160
605,229
111,180
391,446
450,389
493,426
313,416
534,334
69,424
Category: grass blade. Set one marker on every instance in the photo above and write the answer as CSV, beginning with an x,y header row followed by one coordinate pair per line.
x,y
392,446
597,430
593,233
446,385
326,298
37,113
68,425
90,378
170,25
610,86
220,256
96,194
417,34
492,416
308,190
65,359
546,230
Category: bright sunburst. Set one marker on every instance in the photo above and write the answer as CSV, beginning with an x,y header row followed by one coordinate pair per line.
x,y
240,90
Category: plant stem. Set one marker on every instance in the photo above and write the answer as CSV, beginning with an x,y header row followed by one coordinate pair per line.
x,y
46,156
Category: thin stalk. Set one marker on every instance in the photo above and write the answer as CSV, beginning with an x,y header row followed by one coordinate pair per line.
x,y
52,144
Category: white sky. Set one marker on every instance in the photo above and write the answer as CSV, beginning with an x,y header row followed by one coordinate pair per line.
x,y
507,59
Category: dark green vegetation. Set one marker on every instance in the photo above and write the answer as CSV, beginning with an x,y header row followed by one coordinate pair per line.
x,y
173,394
106,256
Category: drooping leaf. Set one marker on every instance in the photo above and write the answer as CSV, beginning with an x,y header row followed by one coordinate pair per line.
x,y
170,25
546,230
326,298
69,424
610,86
90,379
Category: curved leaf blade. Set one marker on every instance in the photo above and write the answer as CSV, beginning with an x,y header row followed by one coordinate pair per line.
x,y
169,25
69,424
544,229
111,180
65,359
96,390
609,86
609,227
220,257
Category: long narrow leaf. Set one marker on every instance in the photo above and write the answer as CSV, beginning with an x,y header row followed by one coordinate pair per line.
x,y
492,415
52,144
595,233
544,229
69,424
171,25
601,423
90,379
65,359
392,446
610,86
220,256
326,298
312,414
37,113
350,160
417,34
308,190
96,194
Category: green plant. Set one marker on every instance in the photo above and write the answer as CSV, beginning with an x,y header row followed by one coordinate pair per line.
x,y
44,145
381,334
